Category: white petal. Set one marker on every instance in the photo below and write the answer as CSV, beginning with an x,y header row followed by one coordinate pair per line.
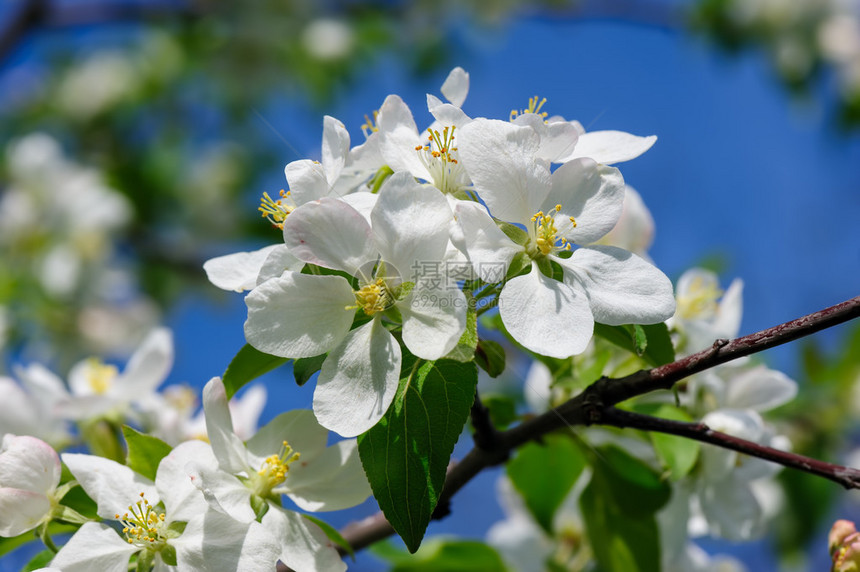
x,y
222,491
500,158
434,319
330,233
148,367
226,446
537,387
545,315
488,248
29,464
410,224
399,137
557,139
362,202
279,260
335,147
358,380
635,228
214,541
303,545
760,389
246,410
332,481
446,114
298,427
590,193
299,315
113,486
732,510
622,288
307,181
182,500
456,86
610,147
238,271
728,319
94,546
21,510
43,383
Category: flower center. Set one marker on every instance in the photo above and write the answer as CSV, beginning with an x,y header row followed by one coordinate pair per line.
x,y
370,126
274,469
101,376
535,105
545,233
276,210
700,301
374,297
439,157
143,526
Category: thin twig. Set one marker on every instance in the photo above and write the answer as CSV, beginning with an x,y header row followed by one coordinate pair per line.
x,y
588,407
845,476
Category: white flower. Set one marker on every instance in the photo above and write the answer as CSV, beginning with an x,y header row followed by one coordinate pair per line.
x,y
577,203
29,475
149,513
635,228
287,456
699,316
24,412
302,315
242,271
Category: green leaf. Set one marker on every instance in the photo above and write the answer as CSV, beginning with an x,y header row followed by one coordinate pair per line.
x,y
332,534
250,363
465,349
305,368
544,473
40,560
618,507
503,409
442,555
656,348
490,357
406,454
677,454
8,544
144,452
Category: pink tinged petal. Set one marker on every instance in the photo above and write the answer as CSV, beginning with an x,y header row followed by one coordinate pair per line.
x,y
182,500
410,224
333,481
226,446
622,288
278,261
113,486
590,193
545,315
456,86
238,271
307,181
330,233
609,147
488,248
335,147
358,380
214,541
21,510
434,319
760,389
29,464
303,546
298,427
299,315
222,491
149,365
500,159
94,546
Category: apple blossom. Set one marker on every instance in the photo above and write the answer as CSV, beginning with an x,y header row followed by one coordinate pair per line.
x,y
29,476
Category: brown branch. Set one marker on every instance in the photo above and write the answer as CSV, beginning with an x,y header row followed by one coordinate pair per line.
x,y
845,476
588,407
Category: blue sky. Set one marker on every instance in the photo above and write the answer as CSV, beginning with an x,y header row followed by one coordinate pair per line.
x,y
739,170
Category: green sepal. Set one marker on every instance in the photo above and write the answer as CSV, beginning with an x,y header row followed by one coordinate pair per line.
x,y
249,364
168,555
544,264
175,529
70,515
144,452
305,368
490,357
513,232
145,560
259,506
332,534
520,264
379,178
404,290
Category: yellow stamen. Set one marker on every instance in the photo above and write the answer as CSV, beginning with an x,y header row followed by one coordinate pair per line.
x,y
535,106
101,375
144,526
370,126
373,298
700,301
275,467
275,210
